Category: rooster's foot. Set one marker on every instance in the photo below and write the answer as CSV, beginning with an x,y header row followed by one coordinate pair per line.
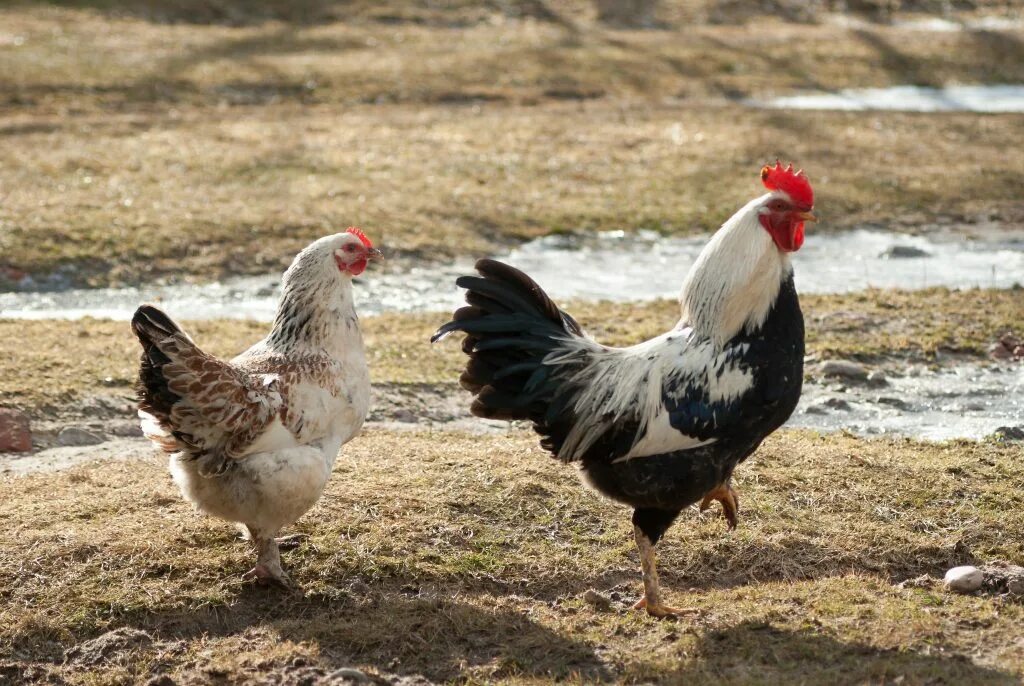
x,y
663,611
730,499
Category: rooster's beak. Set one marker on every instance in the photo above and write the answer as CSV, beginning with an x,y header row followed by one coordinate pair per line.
x,y
807,216
375,255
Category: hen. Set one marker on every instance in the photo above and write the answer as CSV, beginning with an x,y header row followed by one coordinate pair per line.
x,y
253,440
661,425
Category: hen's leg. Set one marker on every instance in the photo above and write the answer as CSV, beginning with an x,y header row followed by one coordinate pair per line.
x,y
268,568
730,499
648,526
291,541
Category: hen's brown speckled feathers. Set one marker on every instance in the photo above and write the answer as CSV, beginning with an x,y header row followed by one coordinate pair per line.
x,y
213,406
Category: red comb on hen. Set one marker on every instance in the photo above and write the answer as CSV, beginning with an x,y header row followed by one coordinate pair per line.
x,y
355,231
792,183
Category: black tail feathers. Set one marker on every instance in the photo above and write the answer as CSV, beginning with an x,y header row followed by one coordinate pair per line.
x,y
511,325
150,325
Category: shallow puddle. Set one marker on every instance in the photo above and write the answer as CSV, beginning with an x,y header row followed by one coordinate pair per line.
x,y
960,402
613,266
978,98
967,401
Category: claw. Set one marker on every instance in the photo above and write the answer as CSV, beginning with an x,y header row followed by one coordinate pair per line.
x,y
265,575
663,611
730,499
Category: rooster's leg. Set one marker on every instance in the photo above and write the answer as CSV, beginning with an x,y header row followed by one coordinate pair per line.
x,y
268,568
652,591
730,499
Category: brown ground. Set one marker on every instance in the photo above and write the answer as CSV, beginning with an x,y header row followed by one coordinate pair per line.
x,y
465,558
195,139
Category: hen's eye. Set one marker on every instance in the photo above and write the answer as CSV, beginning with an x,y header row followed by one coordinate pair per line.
x,y
349,247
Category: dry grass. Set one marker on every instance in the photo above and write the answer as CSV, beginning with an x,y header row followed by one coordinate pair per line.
x,y
136,148
47,364
464,557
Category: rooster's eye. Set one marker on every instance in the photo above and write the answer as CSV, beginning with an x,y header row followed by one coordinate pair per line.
x,y
777,206
349,247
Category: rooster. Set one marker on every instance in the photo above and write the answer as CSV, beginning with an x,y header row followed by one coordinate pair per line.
x,y
254,440
661,425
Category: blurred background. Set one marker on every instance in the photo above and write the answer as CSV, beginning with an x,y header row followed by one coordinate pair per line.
x,y
188,139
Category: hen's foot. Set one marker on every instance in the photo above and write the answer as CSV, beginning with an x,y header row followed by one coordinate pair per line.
x,y
730,499
291,541
268,575
663,611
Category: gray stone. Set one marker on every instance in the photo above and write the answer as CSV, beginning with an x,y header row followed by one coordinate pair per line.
x,y
1009,433
903,252
837,404
844,369
898,403
964,579
72,436
878,378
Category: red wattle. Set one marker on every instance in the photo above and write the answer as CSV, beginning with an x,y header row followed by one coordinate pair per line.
x,y
357,267
798,236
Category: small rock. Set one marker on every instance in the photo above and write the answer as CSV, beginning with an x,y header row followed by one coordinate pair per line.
x,y
598,601
1015,585
349,674
837,404
898,403
878,378
15,433
844,369
902,252
964,579
1009,433
404,415
359,588
72,435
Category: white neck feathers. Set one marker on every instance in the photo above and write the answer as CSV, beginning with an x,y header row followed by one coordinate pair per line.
x,y
736,278
316,314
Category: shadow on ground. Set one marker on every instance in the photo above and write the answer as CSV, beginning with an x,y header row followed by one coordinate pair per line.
x,y
757,652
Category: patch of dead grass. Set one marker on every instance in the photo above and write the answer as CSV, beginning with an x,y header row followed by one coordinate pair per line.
x,y
47,364
136,148
464,557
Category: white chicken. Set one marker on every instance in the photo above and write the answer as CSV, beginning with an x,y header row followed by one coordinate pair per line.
x,y
253,440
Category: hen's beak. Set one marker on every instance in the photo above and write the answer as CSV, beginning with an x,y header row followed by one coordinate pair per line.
x,y
807,216
375,255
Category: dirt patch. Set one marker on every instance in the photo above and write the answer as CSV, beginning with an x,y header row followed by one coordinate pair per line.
x,y
112,647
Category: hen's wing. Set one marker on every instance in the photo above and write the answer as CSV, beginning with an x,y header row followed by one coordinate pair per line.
x,y
200,404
